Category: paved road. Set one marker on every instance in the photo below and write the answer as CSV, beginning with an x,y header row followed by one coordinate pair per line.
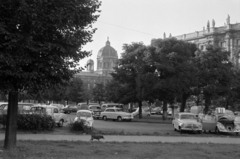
x,y
117,138
131,127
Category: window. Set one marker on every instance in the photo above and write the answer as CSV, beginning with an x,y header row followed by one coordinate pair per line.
x,y
55,110
222,44
238,42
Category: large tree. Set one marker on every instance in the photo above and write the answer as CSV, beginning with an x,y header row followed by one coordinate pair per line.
x,y
131,73
173,68
41,45
215,73
75,90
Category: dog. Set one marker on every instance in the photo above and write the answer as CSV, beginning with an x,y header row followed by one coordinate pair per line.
x,y
97,137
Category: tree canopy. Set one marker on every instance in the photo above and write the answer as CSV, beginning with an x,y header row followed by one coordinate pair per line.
x,y
41,45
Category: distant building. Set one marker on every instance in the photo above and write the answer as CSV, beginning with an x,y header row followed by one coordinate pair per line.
x,y
227,36
106,59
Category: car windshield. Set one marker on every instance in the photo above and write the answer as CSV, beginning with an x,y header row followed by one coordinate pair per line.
x,y
187,116
83,114
95,107
119,110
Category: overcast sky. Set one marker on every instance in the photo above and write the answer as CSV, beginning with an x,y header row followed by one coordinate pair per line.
x,y
127,21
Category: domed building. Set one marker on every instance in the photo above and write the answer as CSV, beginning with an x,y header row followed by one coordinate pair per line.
x,y
106,59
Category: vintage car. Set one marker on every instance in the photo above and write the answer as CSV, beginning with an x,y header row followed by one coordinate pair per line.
x,y
145,112
85,115
53,111
186,122
69,109
96,111
116,114
221,121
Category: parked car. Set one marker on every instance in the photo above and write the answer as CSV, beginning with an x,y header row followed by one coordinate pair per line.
x,y
60,106
53,111
145,112
156,110
221,120
85,115
22,107
96,111
116,114
186,122
69,109
111,105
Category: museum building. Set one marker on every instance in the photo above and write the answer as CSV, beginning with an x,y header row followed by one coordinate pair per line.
x,y
106,59
227,36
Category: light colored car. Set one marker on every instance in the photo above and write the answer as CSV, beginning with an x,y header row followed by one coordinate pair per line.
x,y
156,110
53,111
186,122
221,121
85,115
116,114
96,111
145,112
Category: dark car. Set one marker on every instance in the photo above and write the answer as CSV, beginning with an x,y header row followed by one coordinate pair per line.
x,y
69,109
96,111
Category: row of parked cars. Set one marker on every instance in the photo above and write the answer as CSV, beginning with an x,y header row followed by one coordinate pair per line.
x,y
221,120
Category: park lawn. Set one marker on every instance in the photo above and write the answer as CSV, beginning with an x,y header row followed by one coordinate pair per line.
x,y
115,150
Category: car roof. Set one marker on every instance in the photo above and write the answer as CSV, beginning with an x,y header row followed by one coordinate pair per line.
x,y
186,113
88,111
45,106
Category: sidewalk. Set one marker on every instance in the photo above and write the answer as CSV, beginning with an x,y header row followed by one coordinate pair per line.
x,y
118,138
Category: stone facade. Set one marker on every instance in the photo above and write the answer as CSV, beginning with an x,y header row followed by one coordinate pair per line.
x,y
227,36
106,59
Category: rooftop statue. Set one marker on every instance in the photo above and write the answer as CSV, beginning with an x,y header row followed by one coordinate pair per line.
x,y
228,19
213,23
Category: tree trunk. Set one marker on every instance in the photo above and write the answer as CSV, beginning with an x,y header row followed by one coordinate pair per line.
x,y
183,103
207,103
140,109
164,115
11,125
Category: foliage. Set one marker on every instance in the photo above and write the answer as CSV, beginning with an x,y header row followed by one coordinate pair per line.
x,y
40,46
98,92
215,73
32,122
79,125
75,90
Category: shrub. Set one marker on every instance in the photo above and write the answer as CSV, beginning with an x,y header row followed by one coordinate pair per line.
x,y
79,125
30,122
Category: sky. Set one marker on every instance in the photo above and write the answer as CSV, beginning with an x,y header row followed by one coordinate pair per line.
x,y
127,21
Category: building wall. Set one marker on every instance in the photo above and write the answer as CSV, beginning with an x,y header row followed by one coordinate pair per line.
x,y
227,37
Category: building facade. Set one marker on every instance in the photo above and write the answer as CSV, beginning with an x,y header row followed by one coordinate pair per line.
x,y
106,59
227,36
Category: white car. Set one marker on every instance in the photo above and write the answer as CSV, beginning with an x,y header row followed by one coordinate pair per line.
x,y
145,112
53,111
116,114
85,115
186,122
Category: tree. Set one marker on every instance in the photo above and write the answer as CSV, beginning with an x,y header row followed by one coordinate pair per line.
x,y
215,73
75,90
171,60
98,93
132,74
41,45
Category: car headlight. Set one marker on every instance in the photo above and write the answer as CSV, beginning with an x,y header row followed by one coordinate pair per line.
x,y
181,124
220,126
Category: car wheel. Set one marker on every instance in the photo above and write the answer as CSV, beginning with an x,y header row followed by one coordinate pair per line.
x,y
119,118
217,130
60,124
199,132
237,133
105,118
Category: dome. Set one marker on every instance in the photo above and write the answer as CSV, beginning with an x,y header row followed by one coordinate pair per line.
x,y
90,61
107,51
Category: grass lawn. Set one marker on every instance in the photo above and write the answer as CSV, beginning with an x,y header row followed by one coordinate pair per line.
x,y
111,150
